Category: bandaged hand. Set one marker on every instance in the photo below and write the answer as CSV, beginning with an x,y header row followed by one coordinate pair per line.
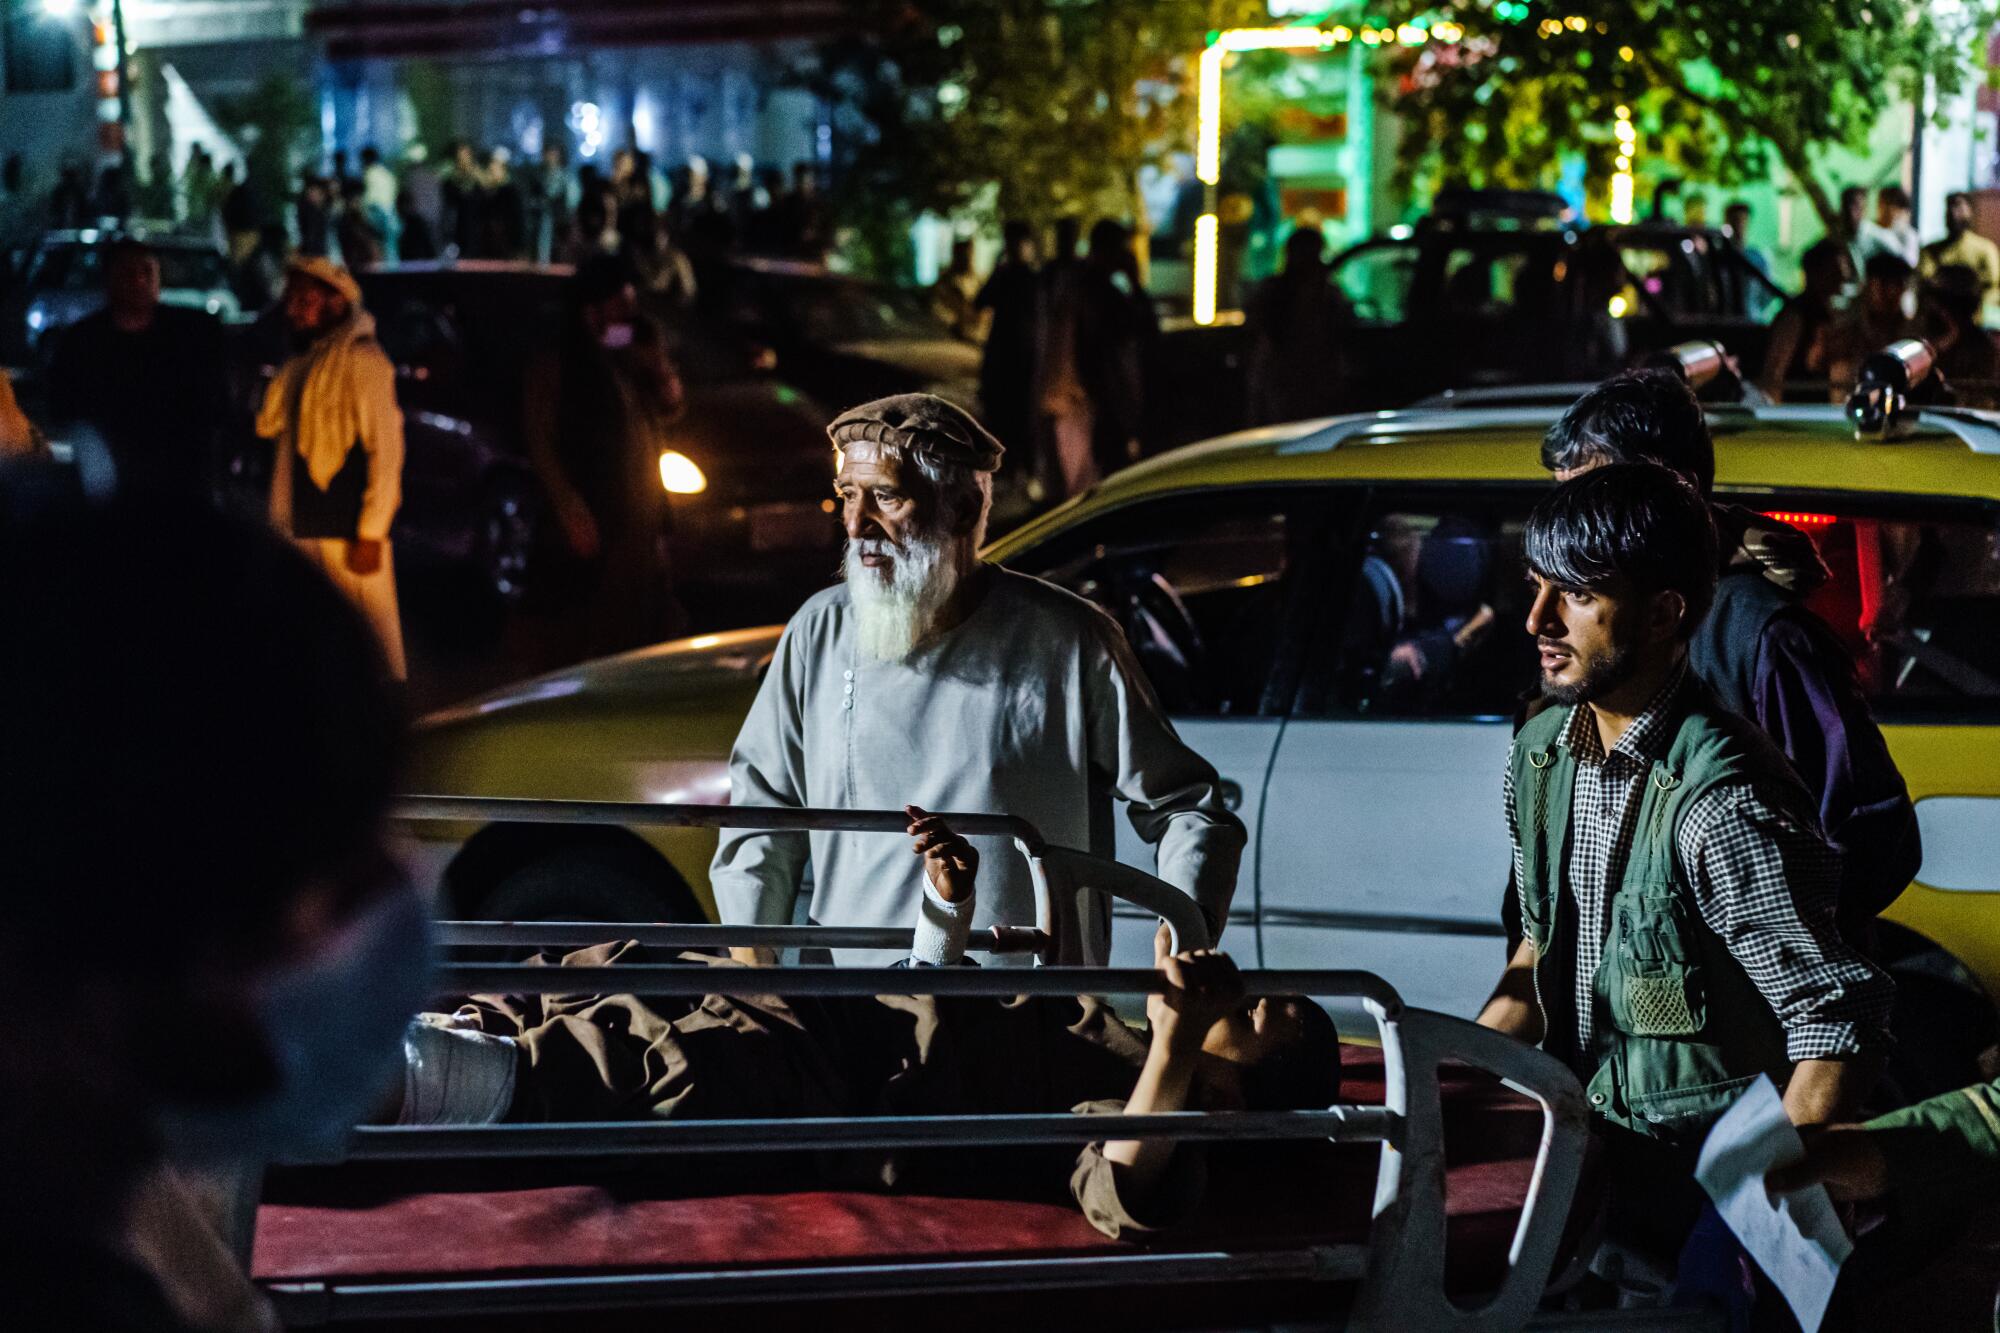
x,y
950,863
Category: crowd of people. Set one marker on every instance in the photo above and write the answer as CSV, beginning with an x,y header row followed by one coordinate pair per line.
x,y
482,205
1875,281
469,203
1063,373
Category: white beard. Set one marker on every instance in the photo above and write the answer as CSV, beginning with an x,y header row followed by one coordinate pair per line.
x,y
896,610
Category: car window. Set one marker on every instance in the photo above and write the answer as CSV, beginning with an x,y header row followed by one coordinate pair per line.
x,y
1914,595
424,341
1198,584
1692,277
50,265
1484,281
836,311
1377,280
80,268
1430,625
413,331
192,270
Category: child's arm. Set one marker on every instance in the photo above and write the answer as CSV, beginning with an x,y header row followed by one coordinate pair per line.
x,y
1206,987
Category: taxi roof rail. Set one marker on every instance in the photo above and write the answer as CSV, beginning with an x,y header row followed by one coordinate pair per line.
x,y
1976,428
1397,423
1979,430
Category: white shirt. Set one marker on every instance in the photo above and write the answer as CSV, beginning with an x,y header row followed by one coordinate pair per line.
x,y
1034,706
1898,241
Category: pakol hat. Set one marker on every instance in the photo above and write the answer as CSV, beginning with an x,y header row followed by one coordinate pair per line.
x,y
916,423
324,271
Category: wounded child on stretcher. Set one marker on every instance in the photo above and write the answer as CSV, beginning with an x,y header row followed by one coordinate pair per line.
x,y
624,1057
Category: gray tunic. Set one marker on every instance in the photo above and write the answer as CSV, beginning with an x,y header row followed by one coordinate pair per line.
x,y
1034,706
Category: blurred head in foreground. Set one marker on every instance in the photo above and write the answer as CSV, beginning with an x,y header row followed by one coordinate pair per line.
x,y
205,950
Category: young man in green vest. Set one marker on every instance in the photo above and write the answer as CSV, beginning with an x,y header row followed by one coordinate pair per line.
x,y
1762,651
1677,895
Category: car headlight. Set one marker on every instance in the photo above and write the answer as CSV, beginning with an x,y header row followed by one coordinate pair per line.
x,y
37,317
680,475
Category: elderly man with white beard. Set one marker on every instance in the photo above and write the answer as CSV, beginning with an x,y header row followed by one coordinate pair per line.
x,y
930,678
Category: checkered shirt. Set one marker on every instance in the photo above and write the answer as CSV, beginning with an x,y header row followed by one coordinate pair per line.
x,y
1764,881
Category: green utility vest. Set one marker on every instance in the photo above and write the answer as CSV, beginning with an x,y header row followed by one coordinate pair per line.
x,y
1686,1027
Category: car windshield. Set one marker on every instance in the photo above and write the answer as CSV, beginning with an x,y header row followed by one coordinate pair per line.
x,y
81,268
1693,276
1377,281
1485,275
833,311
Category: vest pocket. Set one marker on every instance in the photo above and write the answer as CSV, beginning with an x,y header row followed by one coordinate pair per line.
x,y
1652,985
1684,1113
1660,1006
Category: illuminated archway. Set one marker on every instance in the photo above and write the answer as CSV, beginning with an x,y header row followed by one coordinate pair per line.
x,y
1208,133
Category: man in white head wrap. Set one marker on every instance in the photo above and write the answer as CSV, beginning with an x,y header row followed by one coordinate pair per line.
x,y
337,478
930,678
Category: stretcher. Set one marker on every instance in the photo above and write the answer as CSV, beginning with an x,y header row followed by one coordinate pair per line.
x,y
1442,1206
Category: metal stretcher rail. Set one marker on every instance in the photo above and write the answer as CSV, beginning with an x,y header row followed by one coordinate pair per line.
x,y
1059,875
611,1138
576,934
802,819
674,979
316,1302
1400,1272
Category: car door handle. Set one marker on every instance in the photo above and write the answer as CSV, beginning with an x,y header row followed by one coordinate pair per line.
x,y
1232,794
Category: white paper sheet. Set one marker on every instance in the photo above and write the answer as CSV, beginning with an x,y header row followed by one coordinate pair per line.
x,y
1798,1241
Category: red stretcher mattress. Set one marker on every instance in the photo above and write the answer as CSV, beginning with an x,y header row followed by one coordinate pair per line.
x,y
1491,1135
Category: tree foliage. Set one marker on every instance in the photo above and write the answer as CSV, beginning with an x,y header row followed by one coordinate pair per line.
x,y
1716,87
1011,108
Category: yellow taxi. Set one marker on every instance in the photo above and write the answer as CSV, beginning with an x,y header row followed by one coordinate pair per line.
x,y
1276,584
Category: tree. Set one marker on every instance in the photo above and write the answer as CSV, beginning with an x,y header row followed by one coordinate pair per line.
x,y
1502,91
1008,108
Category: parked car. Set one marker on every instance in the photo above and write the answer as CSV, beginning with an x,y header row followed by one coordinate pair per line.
x,y
1473,297
753,476
1236,568
842,339
61,279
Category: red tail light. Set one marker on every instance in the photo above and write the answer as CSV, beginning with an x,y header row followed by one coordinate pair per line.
x,y
1798,520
